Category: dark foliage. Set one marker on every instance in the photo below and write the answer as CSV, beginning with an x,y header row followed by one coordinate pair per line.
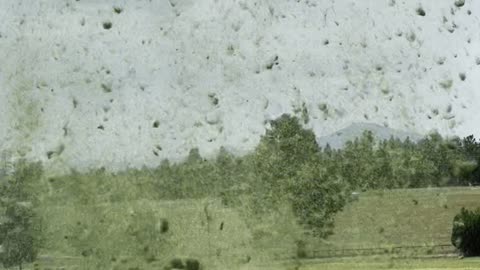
x,y
187,264
471,150
466,232
301,249
289,168
164,226
175,263
19,231
192,264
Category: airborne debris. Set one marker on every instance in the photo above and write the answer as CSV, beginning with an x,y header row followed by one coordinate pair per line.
x,y
420,12
107,25
459,3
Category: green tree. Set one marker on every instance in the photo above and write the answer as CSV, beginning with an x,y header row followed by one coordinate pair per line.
x,y
358,162
316,196
291,168
471,150
282,151
445,155
20,231
16,236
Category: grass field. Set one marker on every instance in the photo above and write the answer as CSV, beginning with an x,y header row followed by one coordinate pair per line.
x,y
366,263
375,263
209,231
395,218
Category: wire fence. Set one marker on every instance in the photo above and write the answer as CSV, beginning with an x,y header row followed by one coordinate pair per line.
x,y
396,250
420,251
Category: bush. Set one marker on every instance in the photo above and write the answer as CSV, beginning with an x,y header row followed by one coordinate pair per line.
x,y
192,264
301,249
176,263
164,226
466,232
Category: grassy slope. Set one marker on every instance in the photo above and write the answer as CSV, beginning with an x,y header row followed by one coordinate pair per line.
x,y
377,219
124,229
402,217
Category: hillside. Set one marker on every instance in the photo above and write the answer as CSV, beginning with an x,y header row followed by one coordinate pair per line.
x,y
393,218
396,218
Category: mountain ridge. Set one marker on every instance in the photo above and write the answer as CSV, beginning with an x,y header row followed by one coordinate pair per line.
x,y
338,139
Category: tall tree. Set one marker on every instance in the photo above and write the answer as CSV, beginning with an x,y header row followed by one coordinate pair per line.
x,y
291,168
282,151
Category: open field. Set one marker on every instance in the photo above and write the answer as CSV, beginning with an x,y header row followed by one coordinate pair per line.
x,y
366,263
401,218
374,263
397,226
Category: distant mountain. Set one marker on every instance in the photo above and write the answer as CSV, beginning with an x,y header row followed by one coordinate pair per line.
x,y
338,139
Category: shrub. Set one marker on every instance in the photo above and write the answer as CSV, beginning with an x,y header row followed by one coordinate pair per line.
x,y
466,232
192,264
177,263
301,249
164,226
